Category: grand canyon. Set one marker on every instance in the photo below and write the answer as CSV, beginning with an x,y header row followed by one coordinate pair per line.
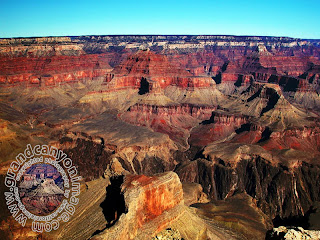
x,y
175,137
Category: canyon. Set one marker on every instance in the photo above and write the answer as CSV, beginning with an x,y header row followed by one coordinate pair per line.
x,y
201,137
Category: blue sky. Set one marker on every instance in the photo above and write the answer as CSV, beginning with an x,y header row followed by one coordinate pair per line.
x,y
293,18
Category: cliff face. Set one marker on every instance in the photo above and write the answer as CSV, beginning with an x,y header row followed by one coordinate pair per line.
x,y
156,71
175,121
279,191
52,70
151,204
217,127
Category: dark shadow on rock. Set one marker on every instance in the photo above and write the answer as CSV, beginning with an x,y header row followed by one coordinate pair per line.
x,y
144,86
273,79
113,205
294,221
255,95
270,236
289,84
217,78
292,85
265,135
238,83
273,98
244,128
210,120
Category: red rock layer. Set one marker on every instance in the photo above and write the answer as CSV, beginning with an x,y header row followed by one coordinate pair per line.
x,y
199,63
306,139
218,127
175,121
157,196
241,79
152,202
200,112
157,70
52,70
271,67
293,66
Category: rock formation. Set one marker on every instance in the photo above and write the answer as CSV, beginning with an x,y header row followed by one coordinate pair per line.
x,y
152,204
293,233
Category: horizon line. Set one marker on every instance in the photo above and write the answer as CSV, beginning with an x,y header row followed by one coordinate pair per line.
x,y
114,35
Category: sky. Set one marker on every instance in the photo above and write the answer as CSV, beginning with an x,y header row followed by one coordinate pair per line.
x,y
295,18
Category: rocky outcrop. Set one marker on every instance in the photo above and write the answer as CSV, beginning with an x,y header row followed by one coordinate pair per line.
x,y
143,151
293,233
193,193
152,203
168,234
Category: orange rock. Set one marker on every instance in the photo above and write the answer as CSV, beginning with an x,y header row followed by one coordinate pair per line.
x,y
152,204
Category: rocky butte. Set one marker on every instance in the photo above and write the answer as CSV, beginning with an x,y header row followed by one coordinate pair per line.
x,y
191,137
